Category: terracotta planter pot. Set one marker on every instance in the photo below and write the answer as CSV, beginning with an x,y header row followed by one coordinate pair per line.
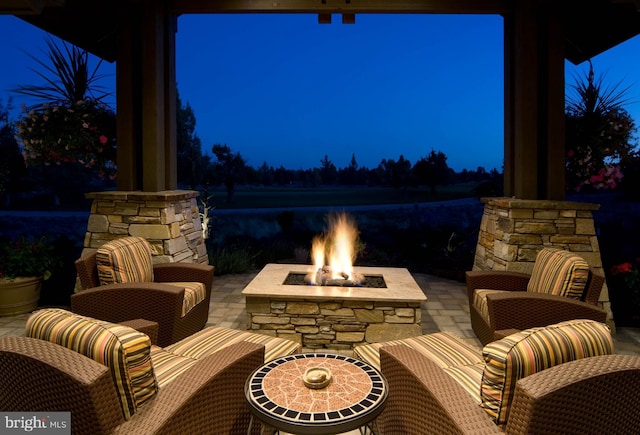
x,y
19,295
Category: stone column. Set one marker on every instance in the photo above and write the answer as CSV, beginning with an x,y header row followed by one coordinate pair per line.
x,y
169,220
512,231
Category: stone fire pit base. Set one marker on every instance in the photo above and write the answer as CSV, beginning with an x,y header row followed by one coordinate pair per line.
x,y
337,318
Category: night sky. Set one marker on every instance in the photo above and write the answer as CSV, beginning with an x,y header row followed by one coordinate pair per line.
x,y
285,90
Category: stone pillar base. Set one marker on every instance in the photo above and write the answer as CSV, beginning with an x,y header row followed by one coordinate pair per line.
x,y
512,231
169,220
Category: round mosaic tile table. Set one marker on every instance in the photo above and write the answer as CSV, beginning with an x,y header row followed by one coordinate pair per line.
x,y
277,396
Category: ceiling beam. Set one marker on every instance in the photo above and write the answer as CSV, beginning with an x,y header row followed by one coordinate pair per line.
x,y
21,7
27,7
636,3
337,6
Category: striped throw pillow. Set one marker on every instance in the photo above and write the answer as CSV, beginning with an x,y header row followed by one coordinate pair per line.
x,y
533,350
124,350
559,272
127,259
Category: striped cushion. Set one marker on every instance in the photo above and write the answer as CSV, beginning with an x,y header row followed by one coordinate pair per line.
x,y
469,378
127,259
443,348
168,366
534,350
194,293
480,301
559,272
124,350
212,339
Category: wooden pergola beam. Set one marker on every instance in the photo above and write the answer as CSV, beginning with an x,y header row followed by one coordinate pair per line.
x,y
338,6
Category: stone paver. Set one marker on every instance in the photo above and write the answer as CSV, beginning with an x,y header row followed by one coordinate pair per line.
x,y
446,309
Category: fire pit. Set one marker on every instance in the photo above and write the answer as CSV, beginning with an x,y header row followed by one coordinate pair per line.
x,y
334,317
333,304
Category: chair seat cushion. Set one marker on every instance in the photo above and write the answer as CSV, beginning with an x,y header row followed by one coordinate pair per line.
x,y
168,366
194,293
468,377
124,350
212,339
127,259
531,351
480,301
443,348
559,272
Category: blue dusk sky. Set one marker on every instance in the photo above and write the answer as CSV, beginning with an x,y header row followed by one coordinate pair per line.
x,y
285,90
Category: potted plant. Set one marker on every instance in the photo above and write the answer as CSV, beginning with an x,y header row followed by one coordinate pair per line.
x,y
24,263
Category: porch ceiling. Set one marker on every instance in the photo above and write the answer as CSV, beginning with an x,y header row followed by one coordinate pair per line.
x,y
590,27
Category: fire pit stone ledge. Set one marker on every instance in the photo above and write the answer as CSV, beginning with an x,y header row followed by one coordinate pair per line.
x,y
336,318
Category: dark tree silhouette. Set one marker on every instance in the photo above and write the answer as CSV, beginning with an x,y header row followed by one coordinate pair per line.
x,y
12,164
432,170
191,163
328,171
228,168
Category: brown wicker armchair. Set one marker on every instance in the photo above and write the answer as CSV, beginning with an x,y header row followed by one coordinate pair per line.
x,y
562,378
40,376
160,298
502,302
594,395
113,380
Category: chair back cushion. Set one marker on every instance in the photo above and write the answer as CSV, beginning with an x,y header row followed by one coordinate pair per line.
x,y
532,351
127,259
559,272
124,350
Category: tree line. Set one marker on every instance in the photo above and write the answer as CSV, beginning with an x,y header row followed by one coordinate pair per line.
x,y
229,168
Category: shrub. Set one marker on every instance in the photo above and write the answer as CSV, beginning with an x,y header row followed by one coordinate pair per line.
x,y
230,260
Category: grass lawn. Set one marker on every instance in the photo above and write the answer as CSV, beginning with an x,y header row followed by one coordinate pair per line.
x,y
266,197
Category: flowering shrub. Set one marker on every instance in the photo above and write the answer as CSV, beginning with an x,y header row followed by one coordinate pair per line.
x,y
626,278
593,145
25,258
629,274
83,133
583,171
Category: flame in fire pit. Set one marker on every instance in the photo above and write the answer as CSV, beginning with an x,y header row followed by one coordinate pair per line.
x,y
338,247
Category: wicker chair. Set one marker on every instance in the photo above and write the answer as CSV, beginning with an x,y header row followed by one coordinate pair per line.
x,y
44,377
113,380
140,289
558,379
594,395
561,287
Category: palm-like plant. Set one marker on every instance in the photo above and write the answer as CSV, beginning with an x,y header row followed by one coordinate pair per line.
x,y
593,97
70,124
67,75
599,133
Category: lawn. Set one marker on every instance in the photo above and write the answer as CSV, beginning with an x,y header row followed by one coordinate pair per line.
x,y
279,197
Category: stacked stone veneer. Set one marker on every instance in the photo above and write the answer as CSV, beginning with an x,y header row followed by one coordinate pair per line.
x,y
512,231
169,220
334,324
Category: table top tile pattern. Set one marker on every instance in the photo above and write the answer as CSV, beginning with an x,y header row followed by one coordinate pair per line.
x,y
356,391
